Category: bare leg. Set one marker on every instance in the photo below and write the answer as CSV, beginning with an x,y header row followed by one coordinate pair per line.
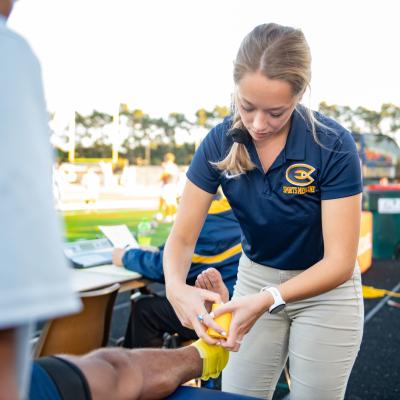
x,y
211,279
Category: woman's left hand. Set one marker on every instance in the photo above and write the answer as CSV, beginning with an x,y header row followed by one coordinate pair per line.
x,y
245,312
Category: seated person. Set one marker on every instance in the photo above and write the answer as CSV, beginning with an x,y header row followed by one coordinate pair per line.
x,y
120,374
218,247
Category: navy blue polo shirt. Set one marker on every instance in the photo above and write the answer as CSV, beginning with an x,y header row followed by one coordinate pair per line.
x,y
280,211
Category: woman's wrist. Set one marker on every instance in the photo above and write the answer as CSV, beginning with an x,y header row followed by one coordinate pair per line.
x,y
266,300
173,285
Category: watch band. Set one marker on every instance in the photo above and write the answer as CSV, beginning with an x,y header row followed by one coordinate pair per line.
x,y
278,304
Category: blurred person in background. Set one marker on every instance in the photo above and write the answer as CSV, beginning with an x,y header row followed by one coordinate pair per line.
x,y
35,282
169,189
91,184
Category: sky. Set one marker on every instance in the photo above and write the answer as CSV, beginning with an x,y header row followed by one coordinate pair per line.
x,y
167,56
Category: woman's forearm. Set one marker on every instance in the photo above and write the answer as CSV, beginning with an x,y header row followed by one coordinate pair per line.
x,y
341,231
177,260
323,276
181,241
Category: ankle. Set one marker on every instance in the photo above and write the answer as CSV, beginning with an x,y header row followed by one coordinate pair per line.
x,y
214,358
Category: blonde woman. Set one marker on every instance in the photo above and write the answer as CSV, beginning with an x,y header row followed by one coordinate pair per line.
x,y
294,183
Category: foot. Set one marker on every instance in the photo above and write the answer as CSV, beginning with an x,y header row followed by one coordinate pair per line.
x,y
211,279
214,358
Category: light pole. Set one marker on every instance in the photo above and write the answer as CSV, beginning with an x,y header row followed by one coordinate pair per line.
x,y
71,131
115,135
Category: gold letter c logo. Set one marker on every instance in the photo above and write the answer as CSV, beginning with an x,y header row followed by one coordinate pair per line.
x,y
300,174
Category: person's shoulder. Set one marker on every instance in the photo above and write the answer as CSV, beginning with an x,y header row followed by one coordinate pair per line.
x,y
18,61
331,133
219,131
14,44
327,124
20,71
215,144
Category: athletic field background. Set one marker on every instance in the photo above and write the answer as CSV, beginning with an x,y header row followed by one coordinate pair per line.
x,y
80,225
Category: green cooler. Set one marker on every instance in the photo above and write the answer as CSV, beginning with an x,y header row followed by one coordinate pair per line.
x,y
384,203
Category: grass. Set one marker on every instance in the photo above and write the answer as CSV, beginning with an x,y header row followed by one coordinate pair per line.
x,y
84,224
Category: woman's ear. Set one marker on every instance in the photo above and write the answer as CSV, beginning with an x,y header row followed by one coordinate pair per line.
x,y
300,95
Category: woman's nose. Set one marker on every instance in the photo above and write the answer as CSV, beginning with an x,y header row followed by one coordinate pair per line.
x,y
260,122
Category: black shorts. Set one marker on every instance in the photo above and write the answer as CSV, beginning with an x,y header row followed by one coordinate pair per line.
x,y
55,378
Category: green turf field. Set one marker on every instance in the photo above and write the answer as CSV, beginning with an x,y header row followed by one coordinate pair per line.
x,y
83,224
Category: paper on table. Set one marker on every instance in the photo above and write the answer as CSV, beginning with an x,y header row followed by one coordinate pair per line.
x,y
113,270
119,235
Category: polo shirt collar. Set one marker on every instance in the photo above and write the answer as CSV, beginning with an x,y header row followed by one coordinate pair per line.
x,y
295,148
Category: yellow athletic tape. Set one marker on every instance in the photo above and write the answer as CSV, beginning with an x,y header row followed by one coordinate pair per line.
x,y
214,358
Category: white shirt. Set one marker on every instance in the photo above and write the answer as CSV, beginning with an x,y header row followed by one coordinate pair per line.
x,y
35,282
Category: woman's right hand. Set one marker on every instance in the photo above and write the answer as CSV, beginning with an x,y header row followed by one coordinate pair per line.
x,y
189,303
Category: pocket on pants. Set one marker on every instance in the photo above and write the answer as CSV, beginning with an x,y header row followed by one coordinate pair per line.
x,y
245,272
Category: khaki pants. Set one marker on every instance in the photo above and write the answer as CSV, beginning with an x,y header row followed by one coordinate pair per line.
x,y
320,335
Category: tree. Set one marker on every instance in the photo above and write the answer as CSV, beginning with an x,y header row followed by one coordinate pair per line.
x,y
343,114
370,118
146,131
391,117
148,138
92,134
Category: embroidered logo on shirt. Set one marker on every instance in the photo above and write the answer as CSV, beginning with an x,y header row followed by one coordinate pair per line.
x,y
300,174
298,190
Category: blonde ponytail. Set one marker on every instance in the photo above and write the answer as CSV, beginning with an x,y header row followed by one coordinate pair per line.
x,y
238,159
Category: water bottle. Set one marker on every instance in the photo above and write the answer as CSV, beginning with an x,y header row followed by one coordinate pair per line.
x,y
144,232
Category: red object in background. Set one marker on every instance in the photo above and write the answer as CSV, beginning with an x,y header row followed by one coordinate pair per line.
x,y
389,186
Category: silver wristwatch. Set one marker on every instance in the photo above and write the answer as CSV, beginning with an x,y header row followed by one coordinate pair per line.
x,y
278,304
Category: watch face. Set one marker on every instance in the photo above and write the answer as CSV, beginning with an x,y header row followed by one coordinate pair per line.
x,y
278,308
